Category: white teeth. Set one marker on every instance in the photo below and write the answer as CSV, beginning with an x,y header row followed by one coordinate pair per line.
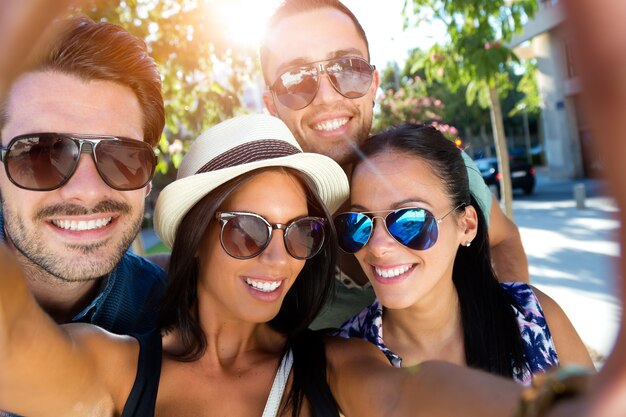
x,y
329,125
392,272
81,225
263,286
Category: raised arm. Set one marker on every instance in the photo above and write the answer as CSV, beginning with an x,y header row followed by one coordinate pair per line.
x,y
364,384
47,370
507,253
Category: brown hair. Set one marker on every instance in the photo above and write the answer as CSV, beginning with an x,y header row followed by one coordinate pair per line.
x,y
106,51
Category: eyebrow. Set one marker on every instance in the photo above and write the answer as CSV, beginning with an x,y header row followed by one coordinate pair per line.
x,y
395,205
301,61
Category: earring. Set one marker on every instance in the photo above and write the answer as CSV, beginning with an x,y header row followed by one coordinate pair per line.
x,y
467,243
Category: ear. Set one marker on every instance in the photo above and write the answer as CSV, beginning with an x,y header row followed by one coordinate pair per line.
x,y
468,225
375,83
148,188
268,100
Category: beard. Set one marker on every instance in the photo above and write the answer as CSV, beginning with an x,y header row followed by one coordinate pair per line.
x,y
344,150
72,262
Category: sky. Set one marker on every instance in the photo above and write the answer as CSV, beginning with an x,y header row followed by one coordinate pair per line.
x,y
383,26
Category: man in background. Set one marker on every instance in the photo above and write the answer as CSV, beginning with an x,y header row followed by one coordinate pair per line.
x,y
315,62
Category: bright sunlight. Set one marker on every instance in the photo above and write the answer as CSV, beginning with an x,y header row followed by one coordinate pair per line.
x,y
244,20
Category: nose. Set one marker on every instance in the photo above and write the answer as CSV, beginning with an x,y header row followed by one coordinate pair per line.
x,y
380,241
86,185
326,93
275,252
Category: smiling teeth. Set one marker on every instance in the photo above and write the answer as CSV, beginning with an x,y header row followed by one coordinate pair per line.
x,y
393,272
263,286
81,225
329,125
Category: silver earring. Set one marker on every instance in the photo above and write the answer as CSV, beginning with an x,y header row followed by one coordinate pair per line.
x,y
467,243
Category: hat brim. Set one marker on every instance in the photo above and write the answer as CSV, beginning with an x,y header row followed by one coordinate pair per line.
x,y
180,196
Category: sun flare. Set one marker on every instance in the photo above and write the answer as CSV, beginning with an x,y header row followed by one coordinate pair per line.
x,y
243,21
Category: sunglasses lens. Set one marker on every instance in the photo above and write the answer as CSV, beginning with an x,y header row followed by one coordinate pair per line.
x,y
352,77
296,89
41,163
304,238
353,231
244,236
125,164
413,227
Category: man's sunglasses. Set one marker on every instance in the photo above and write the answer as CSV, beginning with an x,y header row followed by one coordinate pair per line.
x,y
46,161
414,227
350,76
246,235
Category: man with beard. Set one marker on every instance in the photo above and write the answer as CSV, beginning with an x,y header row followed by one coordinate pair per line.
x,y
315,61
77,133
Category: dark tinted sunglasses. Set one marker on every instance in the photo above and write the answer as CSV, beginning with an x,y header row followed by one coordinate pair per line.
x,y
246,235
350,76
416,228
46,161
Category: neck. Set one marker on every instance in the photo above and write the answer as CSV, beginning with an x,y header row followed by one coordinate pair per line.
x,y
231,340
59,298
429,329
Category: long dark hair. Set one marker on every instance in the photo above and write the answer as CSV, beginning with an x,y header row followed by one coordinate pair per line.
x,y
311,290
490,332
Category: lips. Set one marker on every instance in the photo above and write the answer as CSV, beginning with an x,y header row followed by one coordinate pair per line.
x,y
391,273
331,124
82,225
263,286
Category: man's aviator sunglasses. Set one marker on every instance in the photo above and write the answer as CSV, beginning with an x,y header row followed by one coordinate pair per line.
x,y
245,235
414,227
350,76
46,161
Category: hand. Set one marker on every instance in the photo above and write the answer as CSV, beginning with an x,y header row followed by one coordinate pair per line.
x,y
25,25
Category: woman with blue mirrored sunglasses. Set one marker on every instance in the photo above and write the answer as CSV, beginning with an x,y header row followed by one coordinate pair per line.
x,y
421,239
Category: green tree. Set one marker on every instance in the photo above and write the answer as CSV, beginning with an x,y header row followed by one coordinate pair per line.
x,y
407,100
475,56
185,41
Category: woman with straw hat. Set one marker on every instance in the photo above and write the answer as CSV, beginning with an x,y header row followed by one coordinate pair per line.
x,y
252,263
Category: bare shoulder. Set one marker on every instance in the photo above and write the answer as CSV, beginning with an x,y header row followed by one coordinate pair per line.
x,y
115,357
569,346
341,348
548,305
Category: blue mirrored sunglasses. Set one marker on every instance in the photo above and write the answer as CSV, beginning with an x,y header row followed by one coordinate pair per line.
x,y
414,227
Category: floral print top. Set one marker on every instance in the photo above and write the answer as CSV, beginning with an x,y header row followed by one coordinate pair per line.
x,y
539,350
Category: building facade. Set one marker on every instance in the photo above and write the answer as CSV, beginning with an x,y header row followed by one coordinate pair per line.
x,y
566,133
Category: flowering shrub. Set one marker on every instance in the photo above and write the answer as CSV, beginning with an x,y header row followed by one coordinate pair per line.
x,y
411,104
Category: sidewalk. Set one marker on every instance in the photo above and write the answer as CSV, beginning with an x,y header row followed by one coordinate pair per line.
x,y
571,254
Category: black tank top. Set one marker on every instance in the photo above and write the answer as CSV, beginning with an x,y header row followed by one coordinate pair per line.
x,y
142,399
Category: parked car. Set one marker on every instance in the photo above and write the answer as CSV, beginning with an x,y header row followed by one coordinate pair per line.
x,y
522,174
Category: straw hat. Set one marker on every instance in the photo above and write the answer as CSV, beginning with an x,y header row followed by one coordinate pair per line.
x,y
232,148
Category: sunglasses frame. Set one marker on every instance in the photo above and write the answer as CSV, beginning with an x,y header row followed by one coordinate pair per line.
x,y
81,139
225,216
320,67
384,219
